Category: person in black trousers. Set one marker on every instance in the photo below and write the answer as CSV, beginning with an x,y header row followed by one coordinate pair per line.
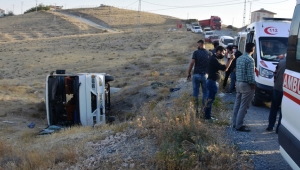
x,y
227,73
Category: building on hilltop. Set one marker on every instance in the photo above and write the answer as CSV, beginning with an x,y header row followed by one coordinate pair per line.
x,y
2,12
262,13
53,8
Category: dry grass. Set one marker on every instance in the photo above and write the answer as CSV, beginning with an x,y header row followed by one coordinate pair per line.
x,y
136,61
186,142
42,152
122,19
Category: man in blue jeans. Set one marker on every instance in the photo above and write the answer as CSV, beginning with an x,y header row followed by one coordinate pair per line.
x,y
214,76
200,64
233,49
277,95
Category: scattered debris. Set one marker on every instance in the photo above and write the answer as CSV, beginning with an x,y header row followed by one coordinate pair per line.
x,y
31,125
174,89
9,122
50,129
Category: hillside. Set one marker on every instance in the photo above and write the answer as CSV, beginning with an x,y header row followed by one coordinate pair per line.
x,y
156,127
122,19
41,25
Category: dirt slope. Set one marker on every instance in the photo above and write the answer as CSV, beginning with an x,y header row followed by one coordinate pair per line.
x,y
41,25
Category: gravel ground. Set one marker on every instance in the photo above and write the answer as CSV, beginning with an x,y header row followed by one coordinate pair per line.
x,y
262,145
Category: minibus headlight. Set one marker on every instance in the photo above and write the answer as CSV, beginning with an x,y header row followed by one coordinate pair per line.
x,y
265,73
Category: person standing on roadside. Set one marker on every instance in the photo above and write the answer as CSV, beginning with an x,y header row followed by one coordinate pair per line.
x,y
245,85
232,67
216,44
200,63
277,95
214,76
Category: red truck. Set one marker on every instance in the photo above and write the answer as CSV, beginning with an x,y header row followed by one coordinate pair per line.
x,y
214,23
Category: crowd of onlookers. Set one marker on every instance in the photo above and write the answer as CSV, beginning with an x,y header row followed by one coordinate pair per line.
x,y
240,68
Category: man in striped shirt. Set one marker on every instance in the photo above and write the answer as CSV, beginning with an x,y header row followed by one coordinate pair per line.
x,y
245,85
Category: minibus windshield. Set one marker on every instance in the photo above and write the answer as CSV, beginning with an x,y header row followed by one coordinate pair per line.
x,y
272,48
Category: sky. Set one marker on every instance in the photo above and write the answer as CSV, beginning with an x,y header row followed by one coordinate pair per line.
x,y
230,11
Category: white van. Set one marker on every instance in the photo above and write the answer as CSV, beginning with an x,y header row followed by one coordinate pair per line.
x,y
224,41
196,29
206,29
270,36
289,130
82,98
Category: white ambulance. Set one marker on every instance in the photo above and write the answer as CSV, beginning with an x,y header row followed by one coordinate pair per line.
x,y
289,130
270,36
82,99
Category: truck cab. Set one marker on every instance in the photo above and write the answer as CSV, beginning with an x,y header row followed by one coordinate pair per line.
x,y
77,99
270,37
289,130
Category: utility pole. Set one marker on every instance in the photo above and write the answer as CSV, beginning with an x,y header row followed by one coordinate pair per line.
x,y
139,16
244,17
21,7
13,9
109,17
232,21
250,12
35,6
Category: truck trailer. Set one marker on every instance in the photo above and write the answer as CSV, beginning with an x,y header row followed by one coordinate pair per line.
x,y
214,23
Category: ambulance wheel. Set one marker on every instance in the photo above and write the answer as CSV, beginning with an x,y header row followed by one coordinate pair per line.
x,y
108,78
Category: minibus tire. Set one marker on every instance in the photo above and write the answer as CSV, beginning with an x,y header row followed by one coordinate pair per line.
x,y
109,78
255,101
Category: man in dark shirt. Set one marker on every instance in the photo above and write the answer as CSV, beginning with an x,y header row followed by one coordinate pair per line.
x,y
277,95
216,44
214,66
200,64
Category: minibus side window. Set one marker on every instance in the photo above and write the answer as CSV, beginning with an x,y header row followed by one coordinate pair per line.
x,y
298,45
254,55
293,49
242,44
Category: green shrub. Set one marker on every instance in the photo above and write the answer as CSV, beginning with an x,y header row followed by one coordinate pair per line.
x,y
38,8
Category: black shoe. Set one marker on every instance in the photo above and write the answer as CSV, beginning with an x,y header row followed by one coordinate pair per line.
x,y
243,129
229,92
211,119
269,129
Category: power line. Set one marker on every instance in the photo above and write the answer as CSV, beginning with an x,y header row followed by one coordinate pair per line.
x,y
215,3
196,6
131,4
273,2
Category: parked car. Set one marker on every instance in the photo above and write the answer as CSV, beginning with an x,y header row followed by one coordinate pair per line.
x,y
207,34
207,29
212,38
188,27
224,41
196,29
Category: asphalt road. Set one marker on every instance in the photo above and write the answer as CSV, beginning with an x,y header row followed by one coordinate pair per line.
x,y
88,22
261,145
